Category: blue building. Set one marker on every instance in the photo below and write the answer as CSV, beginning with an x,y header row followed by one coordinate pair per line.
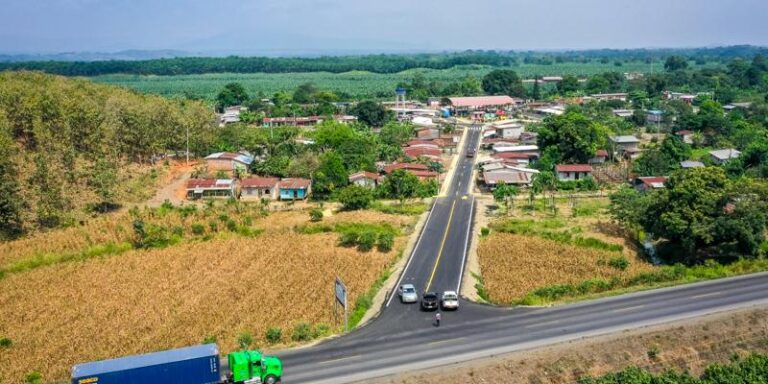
x,y
295,189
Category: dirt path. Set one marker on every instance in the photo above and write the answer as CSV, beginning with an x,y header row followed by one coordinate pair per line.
x,y
173,187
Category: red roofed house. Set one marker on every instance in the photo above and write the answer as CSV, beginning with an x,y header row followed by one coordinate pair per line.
x,y
259,188
601,155
645,184
423,144
364,179
464,105
424,175
570,172
389,168
210,188
428,133
430,153
295,189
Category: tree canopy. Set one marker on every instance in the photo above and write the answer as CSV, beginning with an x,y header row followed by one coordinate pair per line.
x,y
503,82
575,136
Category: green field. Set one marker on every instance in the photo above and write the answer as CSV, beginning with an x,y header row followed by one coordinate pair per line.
x,y
357,84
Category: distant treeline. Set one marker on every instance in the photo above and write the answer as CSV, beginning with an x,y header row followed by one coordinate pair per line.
x,y
371,63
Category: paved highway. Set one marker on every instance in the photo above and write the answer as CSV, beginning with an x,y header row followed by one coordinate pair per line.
x,y
402,338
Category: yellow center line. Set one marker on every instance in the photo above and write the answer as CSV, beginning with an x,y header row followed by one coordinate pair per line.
x,y
628,308
442,244
446,341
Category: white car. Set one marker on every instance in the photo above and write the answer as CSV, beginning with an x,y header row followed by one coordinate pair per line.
x,y
450,300
408,293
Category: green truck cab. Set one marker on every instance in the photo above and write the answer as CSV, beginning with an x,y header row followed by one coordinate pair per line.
x,y
252,367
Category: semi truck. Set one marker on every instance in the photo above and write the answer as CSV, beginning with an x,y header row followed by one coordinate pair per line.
x,y
190,365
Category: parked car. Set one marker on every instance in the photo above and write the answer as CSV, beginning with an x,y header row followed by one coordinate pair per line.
x,y
450,300
470,153
429,301
408,293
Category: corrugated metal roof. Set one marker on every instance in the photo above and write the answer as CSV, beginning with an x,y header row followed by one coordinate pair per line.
x,y
239,157
209,183
295,183
481,101
145,360
625,139
573,168
259,182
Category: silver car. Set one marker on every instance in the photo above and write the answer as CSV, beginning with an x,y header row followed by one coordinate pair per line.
x,y
408,293
450,300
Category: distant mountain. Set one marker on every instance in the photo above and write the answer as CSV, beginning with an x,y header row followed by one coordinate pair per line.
x,y
127,55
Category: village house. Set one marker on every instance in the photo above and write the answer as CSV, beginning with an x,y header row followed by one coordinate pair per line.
x,y
721,156
236,163
508,130
601,155
518,157
257,188
416,152
625,113
623,143
304,121
649,183
654,116
464,106
572,172
508,174
294,188
609,96
686,136
419,170
364,179
688,164
733,106
210,188
505,147
426,133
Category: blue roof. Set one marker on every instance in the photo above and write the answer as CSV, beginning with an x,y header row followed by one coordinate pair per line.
x,y
655,112
145,360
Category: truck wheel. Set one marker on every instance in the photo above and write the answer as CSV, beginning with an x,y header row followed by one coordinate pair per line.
x,y
270,379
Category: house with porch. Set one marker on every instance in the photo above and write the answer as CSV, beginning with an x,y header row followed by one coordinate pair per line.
x,y
210,188
364,179
257,188
623,143
722,156
294,188
573,172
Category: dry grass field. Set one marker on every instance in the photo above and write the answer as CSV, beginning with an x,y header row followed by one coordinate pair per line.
x,y
146,300
514,265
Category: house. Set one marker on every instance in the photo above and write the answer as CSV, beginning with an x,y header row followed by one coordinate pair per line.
x,y
686,136
229,162
570,172
423,121
632,153
529,138
649,183
623,143
416,152
295,188
210,188
552,79
419,170
509,130
259,188
433,102
722,156
505,147
364,179
231,115
601,155
424,175
304,121
623,113
733,106
428,133
508,175
466,105
654,116
551,110
433,144
609,96
688,164
518,157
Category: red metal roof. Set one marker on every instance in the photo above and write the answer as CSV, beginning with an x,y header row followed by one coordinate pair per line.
x,y
389,168
601,153
481,101
684,132
260,182
421,151
209,184
295,183
651,180
423,174
515,155
363,174
573,168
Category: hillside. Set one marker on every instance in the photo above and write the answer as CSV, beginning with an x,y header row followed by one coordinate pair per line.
x,y
70,148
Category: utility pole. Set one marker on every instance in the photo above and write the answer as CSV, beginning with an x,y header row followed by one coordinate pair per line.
x,y
187,126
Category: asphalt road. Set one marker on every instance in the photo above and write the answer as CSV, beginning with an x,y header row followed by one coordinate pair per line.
x,y
403,338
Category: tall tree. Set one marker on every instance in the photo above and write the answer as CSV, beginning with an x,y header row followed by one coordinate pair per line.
x,y
11,222
569,84
394,133
232,94
575,136
372,113
675,63
536,93
305,93
503,82
330,175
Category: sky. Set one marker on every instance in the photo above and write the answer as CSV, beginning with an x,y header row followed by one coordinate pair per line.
x,y
301,26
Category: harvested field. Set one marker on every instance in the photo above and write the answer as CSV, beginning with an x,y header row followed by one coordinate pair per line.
x,y
146,300
514,265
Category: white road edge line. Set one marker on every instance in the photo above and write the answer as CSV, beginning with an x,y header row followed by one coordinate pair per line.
x,y
707,295
466,242
413,253
339,359
446,341
628,309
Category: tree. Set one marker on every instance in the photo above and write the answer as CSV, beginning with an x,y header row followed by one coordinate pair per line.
x,y
305,93
104,180
330,175
331,135
503,82
400,185
395,133
597,84
372,113
232,94
675,63
505,193
662,160
536,92
575,136
569,84
354,197
11,223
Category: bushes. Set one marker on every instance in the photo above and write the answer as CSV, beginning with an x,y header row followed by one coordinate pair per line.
x,y
355,197
198,229
244,340
621,263
274,335
5,342
551,229
315,215
386,241
302,332
366,236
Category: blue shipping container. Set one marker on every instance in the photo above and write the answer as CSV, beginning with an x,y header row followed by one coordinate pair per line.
x,y
191,365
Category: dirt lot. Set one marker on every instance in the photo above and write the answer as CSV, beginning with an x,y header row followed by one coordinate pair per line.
x,y
689,345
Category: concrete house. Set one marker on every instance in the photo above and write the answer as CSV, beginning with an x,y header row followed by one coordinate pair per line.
x,y
623,143
295,189
722,156
508,175
257,188
688,164
509,130
654,116
572,172
228,162
649,183
210,188
601,155
364,179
